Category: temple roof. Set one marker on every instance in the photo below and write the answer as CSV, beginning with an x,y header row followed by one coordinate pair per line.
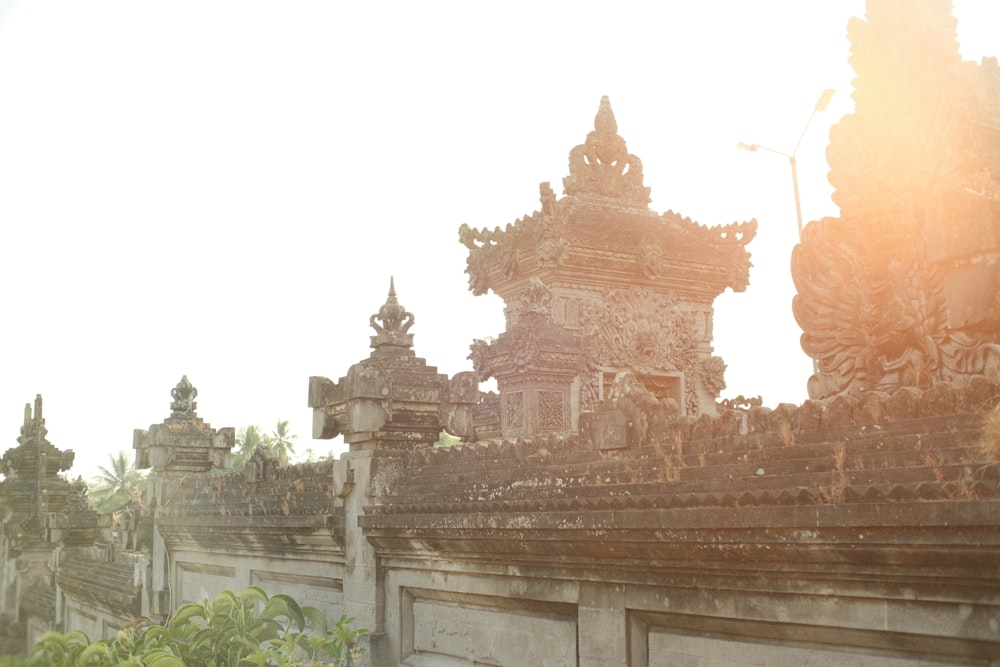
x,y
602,232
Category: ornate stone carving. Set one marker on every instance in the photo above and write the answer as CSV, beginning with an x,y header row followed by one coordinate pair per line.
x,y
39,509
514,411
595,283
547,197
551,253
183,406
536,298
551,411
393,398
890,293
183,442
396,322
603,166
639,329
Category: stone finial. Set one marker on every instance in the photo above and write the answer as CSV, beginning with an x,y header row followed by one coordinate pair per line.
x,y
34,423
183,443
603,166
396,322
183,406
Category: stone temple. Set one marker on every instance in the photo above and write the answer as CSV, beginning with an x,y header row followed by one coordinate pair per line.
x,y
604,507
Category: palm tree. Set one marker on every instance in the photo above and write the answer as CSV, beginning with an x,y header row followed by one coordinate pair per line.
x,y
113,488
248,439
280,441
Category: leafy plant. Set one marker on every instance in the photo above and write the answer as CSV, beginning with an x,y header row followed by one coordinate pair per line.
x,y
117,485
233,629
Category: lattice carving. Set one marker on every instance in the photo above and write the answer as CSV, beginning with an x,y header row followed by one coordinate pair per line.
x,y
551,410
514,411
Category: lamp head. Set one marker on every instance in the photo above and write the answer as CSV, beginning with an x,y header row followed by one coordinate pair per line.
x,y
824,99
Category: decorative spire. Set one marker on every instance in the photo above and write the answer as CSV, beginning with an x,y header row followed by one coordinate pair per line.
x,y
603,166
34,424
396,321
183,405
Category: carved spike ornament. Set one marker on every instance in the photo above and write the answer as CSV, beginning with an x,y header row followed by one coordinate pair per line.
x,y
900,290
603,166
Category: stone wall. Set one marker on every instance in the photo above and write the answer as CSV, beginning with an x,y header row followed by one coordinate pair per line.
x,y
819,534
860,530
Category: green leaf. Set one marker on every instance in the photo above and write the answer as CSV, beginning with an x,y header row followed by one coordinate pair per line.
x,y
96,653
161,658
254,592
317,619
186,613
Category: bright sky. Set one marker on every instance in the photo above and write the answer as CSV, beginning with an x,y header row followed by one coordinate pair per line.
x,y
222,189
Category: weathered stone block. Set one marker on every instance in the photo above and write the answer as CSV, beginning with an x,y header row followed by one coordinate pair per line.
x,y
903,403
611,430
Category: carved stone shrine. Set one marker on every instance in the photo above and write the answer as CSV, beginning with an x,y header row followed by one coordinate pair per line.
x,y
596,283
393,397
902,289
183,442
41,514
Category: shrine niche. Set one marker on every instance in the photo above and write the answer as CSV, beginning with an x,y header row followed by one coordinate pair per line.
x,y
184,442
902,289
393,399
594,284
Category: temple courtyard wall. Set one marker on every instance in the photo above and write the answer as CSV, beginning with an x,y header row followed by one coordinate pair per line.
x,y
860,531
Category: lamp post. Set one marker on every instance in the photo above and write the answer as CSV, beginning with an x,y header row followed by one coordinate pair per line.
x,y
821,104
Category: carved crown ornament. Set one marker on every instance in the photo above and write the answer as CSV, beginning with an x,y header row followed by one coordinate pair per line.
x,y
184,442
183,406
603,166
900,289
395,322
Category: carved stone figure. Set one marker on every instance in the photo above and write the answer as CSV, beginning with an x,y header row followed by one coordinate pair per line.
x,y
183,442
900,290
183,405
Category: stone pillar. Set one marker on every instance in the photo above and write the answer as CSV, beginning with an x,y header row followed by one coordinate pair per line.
x,y
183,444
390,402
364,590
601,625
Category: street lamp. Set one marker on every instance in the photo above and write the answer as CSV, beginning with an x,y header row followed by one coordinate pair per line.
x,y
821,103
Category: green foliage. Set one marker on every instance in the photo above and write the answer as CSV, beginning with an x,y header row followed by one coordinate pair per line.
x,y
278,443
233,629
310,456
114,487
248,439
447,440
